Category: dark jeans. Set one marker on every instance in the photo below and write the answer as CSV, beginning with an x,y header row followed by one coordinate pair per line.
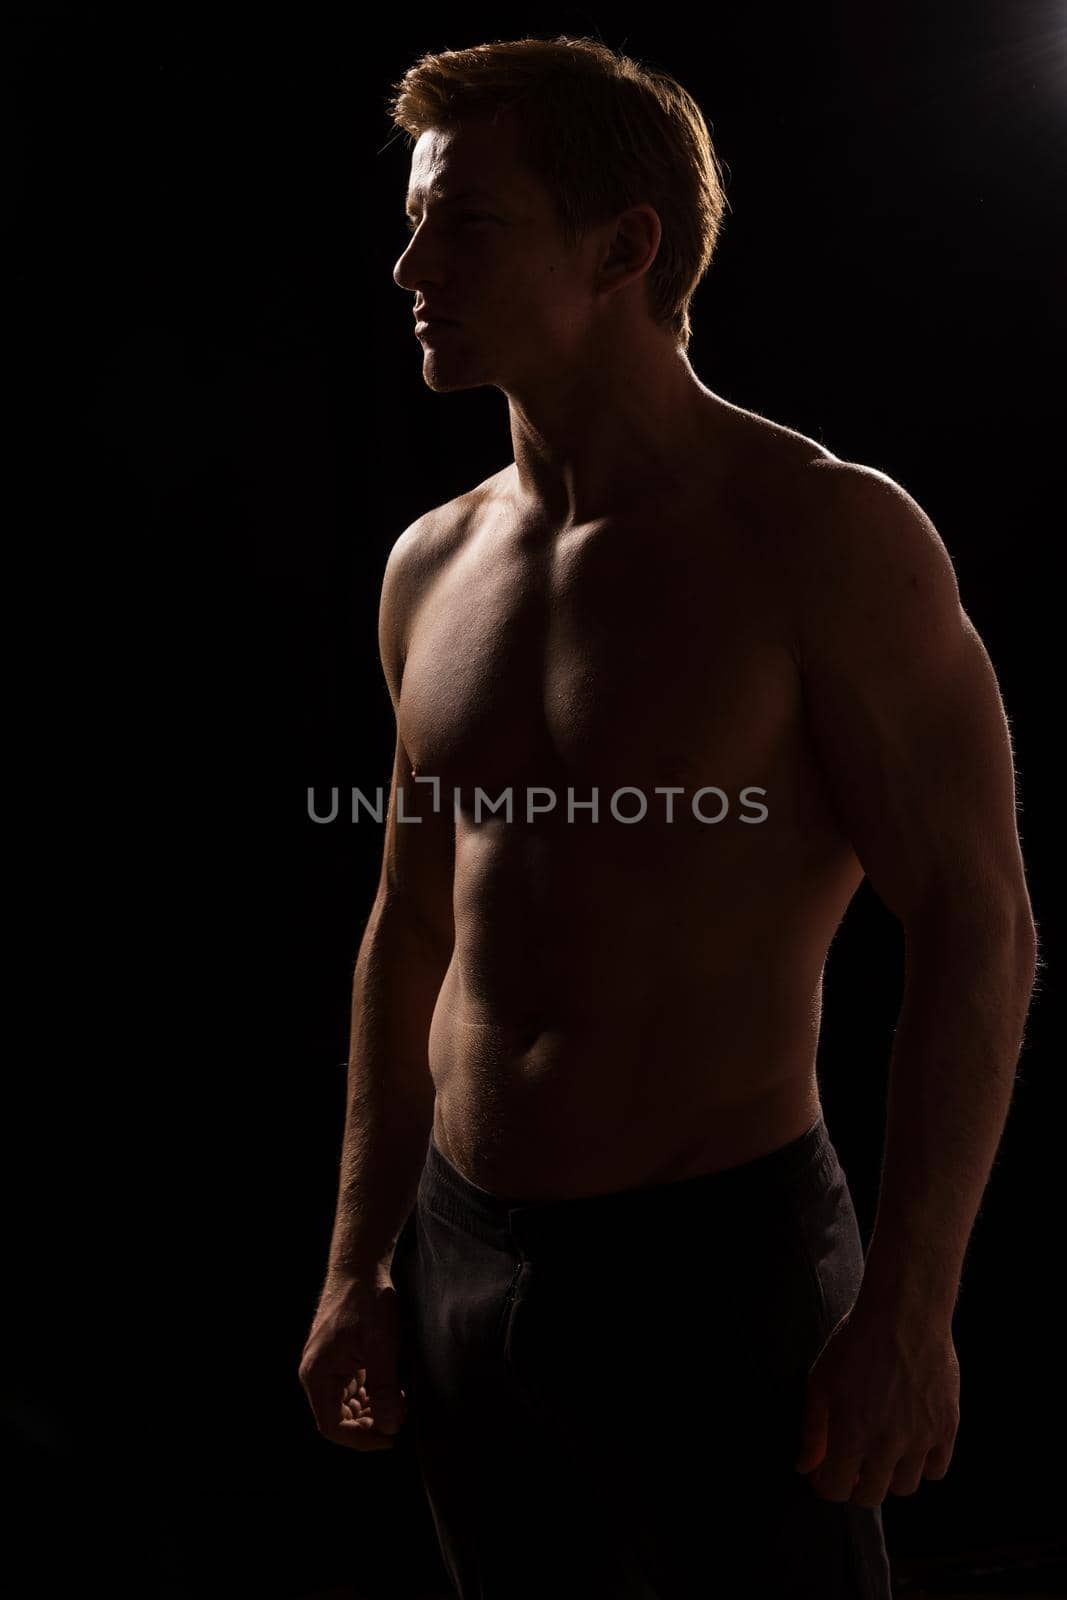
x,y
606,1392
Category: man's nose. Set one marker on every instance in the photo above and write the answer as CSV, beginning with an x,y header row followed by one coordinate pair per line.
x,y
400,268
413,267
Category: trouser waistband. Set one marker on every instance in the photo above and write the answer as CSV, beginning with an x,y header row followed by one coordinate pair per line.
x,y
798,1169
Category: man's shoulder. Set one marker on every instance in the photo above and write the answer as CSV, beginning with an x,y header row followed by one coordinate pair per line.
x,y
423,551
837,532
805,487
849,509
860,553
763,457
438,533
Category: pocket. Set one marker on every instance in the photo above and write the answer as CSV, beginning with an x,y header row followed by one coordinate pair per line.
x,y
401,1258
772,1314
805,1227
400,1270
833,1250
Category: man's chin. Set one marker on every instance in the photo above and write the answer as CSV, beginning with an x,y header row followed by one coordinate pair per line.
x,y
442,377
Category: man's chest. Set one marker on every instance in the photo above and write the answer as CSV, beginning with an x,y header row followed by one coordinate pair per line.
x,y
616,655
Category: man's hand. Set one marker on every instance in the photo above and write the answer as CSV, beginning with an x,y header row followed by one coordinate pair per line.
x,y
356,1331
881,1408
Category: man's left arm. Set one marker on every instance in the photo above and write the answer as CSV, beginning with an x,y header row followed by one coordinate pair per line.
x,y
907,722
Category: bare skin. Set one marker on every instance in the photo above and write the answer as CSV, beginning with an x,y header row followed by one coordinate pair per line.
x,y
663,589
627,604
627,1003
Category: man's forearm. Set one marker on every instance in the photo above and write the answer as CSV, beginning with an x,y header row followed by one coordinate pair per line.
x,y
390,1100
952,1074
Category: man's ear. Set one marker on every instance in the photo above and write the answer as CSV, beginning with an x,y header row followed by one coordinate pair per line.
x,y
632,246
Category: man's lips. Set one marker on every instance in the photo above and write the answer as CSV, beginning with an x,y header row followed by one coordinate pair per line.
x,y
433,326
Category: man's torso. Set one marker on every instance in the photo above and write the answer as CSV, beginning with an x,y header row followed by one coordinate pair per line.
x,y
627,1003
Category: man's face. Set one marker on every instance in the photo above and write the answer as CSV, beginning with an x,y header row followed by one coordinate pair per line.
x,y
488,254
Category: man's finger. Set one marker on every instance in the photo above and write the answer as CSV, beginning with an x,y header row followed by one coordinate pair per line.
x,y
326,1394
908,1476
937,1461
838,1475
872,1486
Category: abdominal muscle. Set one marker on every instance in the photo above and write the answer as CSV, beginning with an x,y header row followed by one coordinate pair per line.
x,y
602,1070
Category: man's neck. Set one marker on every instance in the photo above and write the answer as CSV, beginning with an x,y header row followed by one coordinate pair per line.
x,y
586,452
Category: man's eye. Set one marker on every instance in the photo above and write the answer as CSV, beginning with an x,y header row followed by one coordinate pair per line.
x,y
411,223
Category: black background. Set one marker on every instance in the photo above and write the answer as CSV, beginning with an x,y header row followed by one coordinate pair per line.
x,y
222,428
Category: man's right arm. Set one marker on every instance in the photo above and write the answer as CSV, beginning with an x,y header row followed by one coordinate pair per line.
x,y
403,957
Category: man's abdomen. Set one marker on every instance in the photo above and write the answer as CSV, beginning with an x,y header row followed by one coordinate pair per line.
x,y
646,1094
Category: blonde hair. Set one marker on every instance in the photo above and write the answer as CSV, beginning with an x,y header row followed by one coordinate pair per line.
x,y
601,131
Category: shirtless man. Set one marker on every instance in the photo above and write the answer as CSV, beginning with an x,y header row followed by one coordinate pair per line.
x,y
572,1031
